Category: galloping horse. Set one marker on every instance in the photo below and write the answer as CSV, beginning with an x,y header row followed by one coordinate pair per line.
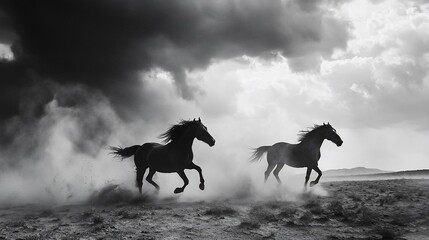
x,y
304,154
175,156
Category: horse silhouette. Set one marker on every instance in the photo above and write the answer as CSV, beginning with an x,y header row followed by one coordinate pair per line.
x,y
304,154
175,156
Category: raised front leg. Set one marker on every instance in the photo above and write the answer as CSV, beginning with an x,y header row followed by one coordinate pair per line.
x,y
200,172
185,182
307,176
312,183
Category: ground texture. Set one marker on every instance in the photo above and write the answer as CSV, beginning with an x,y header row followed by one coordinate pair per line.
x,y
390,209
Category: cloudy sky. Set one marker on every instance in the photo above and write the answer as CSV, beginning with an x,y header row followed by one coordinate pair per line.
x,y
78,76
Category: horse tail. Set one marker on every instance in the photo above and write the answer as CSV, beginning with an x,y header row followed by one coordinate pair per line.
x,y
124,152
258,153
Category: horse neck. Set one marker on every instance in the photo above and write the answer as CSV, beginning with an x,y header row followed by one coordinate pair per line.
x,y
186,141
314,141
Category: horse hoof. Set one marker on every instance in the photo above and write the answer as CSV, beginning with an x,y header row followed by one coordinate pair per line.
x,y
202,186
312,183
178,190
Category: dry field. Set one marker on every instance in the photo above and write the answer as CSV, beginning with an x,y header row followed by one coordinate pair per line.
x,y
389,209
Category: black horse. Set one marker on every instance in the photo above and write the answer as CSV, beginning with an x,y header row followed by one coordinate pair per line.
x,y
175,156
304,154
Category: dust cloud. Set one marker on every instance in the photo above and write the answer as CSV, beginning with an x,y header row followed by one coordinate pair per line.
x,y
63,158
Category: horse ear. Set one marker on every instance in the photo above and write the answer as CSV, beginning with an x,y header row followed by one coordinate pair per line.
x,y
195,120
324,124
199,119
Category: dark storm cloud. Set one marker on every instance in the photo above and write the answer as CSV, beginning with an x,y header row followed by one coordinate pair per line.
x,y
106,44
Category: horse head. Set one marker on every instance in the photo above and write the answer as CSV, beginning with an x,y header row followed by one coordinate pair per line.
x,y
331,134
202,134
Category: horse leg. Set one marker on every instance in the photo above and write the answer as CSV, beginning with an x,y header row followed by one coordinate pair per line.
x,y
185,182
196,167
149,178
307,176
312,183
277,170
139,178
269,169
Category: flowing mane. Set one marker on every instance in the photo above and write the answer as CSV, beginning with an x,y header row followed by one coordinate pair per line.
x,y
305,134
176,131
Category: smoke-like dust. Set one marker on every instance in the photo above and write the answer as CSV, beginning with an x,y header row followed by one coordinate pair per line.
x,y
63,158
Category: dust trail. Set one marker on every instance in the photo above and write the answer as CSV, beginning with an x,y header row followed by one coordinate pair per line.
x,y
62,158
113,194
244,185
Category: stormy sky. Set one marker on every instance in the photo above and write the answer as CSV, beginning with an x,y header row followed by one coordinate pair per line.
x,y
78,76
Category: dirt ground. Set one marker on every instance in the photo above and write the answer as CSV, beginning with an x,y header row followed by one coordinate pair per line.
x,y
389,209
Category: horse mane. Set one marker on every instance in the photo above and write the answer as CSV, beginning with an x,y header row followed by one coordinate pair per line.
x,y
176,131
305,134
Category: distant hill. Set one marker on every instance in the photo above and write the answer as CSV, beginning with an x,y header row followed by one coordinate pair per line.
x,y
353,171
409,174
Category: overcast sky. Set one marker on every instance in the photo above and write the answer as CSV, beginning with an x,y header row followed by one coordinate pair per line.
x,y
78,76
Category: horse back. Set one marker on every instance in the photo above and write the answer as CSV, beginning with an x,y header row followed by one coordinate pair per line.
x,y
278,152
143,152
290,154
168,158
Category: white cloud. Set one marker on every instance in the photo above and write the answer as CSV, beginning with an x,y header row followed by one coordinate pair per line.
x,y
375,92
